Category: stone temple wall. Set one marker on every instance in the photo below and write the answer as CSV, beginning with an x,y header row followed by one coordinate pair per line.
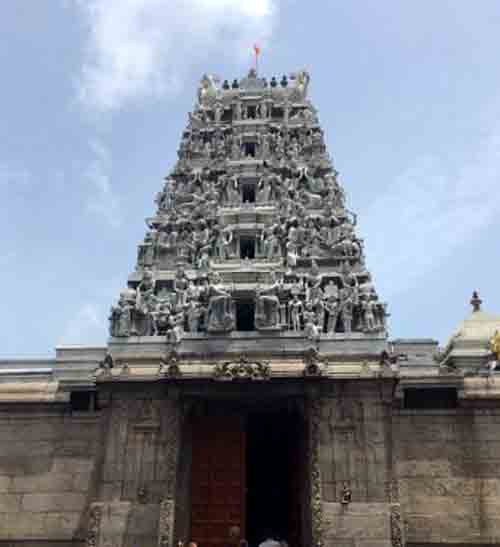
x,y
47,461
102,478
355,452
137,478
448,465
109,477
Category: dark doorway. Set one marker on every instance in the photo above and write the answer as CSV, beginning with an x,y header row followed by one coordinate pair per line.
x,y
247,247
275,480
248,193
245,315
250,149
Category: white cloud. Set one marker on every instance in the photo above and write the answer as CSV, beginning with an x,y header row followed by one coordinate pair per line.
x,y
140,48
86,327
428,212
102,200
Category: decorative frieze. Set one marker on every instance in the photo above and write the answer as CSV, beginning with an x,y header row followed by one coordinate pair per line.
x,y
243,369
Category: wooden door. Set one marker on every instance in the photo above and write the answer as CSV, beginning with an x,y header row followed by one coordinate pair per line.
x,y
217,480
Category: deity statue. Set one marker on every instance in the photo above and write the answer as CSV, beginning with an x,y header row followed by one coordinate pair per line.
x,y
495,345
236,148
293,149
263,110
161,318
221,312
237,111
185,247
207,150
145,254
332,308
316,297
275,187
292,255
295,310
120,318
197,119
203,262
265,146
346,309
302,79
267,309
234,190
224,244
181,284
201,238
271,243
368,310
193,291
218,112
145,290
286,111
194,311
222,187
311,329
314,276
208,89
263,189
175,330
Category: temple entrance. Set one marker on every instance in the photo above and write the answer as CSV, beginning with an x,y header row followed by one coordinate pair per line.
x,y
248,476
275,476
217,480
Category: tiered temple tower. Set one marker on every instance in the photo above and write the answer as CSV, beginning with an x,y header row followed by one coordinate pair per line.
x,y
251,232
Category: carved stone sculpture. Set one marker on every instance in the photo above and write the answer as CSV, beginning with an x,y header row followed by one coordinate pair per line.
x,y
221,313
267,309
243,369
346,497
121,318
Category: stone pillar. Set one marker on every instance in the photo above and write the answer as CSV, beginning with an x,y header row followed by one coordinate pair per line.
x,y
108,523
314,419
167,505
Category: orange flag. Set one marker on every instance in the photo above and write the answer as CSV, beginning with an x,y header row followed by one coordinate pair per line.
x,y
256,48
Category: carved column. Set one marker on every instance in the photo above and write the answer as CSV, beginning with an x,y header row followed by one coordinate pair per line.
x,y
314,412
392,483
167,505
94,526
397,539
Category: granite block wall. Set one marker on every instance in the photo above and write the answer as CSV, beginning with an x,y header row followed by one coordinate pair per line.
x,y
441,468
47,461
448,466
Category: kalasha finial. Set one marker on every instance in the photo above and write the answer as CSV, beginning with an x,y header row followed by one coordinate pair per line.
x,y
476,302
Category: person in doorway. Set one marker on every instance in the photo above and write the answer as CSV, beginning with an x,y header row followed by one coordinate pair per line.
x,y
270,541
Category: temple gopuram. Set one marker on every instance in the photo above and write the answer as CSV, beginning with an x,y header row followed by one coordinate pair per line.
x,y
249,388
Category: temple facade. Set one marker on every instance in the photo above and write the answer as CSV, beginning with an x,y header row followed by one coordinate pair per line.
x,y
249,387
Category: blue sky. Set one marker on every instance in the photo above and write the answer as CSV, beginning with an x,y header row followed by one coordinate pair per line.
x,y
95,94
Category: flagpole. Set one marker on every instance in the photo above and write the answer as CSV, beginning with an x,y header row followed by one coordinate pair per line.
x,y
256,50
